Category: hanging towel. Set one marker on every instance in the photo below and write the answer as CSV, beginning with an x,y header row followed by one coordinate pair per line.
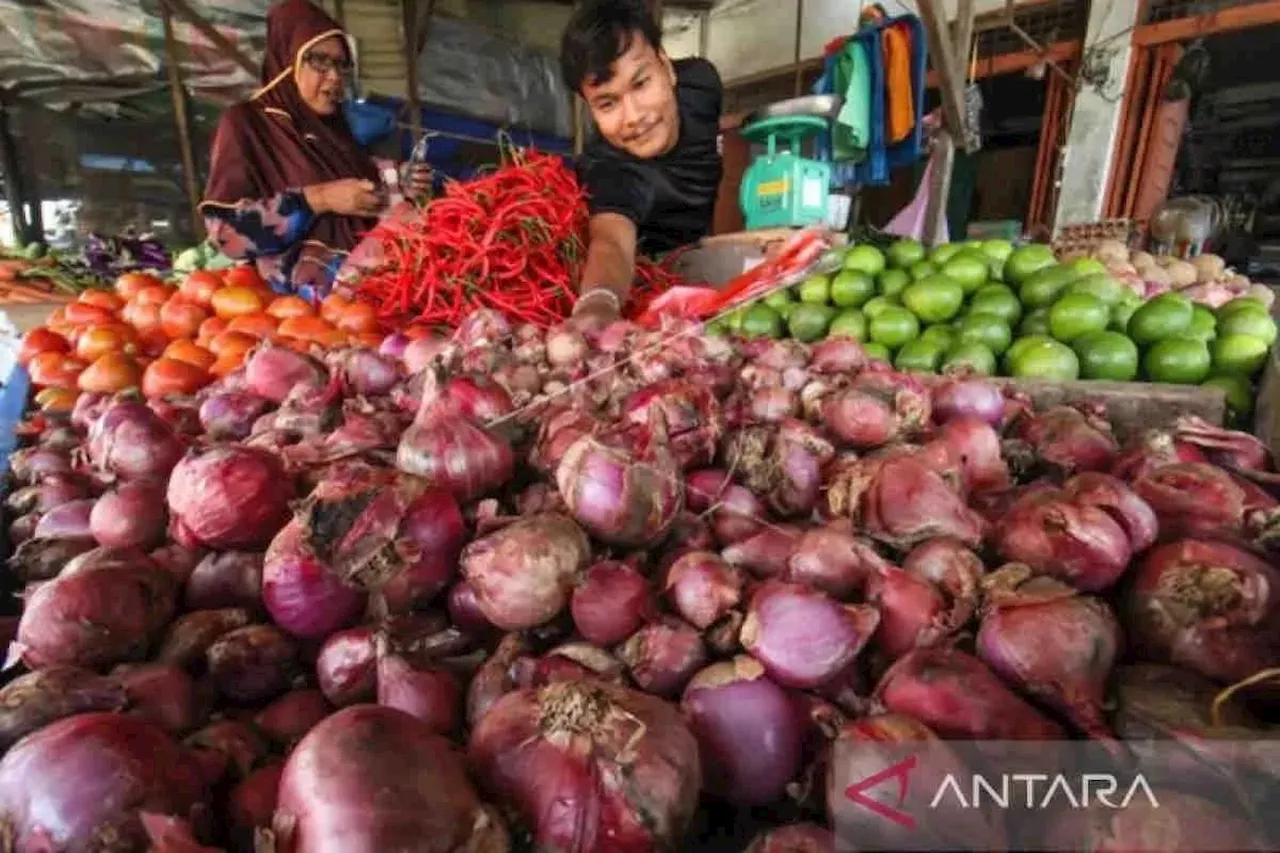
x,y
898,89
853,123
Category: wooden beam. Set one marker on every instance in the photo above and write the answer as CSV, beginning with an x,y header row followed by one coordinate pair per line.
x,y
935,216
409,20
951,82
184,11
181,120
799,78
11,168
340,13
1238,17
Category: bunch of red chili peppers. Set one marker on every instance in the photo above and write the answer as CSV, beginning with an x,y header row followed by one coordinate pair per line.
x,y
512,240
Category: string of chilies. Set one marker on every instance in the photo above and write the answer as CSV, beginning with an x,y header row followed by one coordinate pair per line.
x,y
511,240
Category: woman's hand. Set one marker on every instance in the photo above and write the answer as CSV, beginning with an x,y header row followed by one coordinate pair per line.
x,y
417,180
346,197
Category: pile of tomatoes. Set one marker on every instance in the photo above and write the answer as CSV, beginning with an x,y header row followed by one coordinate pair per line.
x,y
147,334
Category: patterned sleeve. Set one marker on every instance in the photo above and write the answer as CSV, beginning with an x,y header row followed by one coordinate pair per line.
x,y
250,229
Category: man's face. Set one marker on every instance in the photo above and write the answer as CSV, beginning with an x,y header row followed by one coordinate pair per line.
x,y
322,75
635,109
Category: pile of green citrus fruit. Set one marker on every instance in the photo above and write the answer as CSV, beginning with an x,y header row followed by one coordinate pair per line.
x,y
1016,312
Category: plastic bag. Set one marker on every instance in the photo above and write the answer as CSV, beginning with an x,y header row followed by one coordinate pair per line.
x,y
909,222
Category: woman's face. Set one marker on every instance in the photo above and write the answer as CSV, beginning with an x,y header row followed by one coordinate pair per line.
x,y
322,75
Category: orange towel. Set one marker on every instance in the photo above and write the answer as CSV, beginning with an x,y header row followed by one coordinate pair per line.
x,y
898,91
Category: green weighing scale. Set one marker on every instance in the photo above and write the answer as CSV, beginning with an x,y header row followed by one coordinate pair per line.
x,y
782,188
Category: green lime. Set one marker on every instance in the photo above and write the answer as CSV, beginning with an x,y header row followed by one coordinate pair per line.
x,y
1242,355
809,322
1177,361
779,298
940,254
864,257
922,269
877,304
989,330
1108,356
1102,286
1239,392
1077,314
1035,323
815,289
1204,326
733,320
1120,314
717,328
1256,324
997,299
1241,303
875,351
894,326
942,334
892,282
1043,287
919,356
997,250
1087,266
969,269
1045,359
761,321
852,288
1165,316
972,355
1026,260
850,323
784,309
1023,343
904,253
935,299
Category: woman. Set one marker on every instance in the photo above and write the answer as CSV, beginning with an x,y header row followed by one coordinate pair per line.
x,y
289,187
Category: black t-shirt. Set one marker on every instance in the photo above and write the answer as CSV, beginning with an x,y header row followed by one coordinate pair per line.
x,y
671,198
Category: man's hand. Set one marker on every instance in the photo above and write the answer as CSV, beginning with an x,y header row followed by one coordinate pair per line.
x,y
346,197
594,310
417,180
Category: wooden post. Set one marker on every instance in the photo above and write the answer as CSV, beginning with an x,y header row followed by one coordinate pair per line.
x,y
184,11
340,13
935,216
949,49
181,121
799,81
11,168
409,9
950,76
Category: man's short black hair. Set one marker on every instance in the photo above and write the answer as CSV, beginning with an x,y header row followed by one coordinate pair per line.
x,y
599,32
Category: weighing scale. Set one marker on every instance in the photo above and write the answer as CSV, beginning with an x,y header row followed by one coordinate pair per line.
x,y
781,188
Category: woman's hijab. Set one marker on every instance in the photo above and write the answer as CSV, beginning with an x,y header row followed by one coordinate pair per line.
x,y
276,142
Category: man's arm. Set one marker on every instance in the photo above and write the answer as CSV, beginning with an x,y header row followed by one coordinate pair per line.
x,y
610,266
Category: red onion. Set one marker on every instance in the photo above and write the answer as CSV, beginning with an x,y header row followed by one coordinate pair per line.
x,y
300,592
161,693
89,406
288,719
560,428
34,464
1164,702
1150,450
567,662
838,355
1068,675
69,520
906,503
252,664
803,637
749,735
765,554
954,570
1193,499
230,416
366,372
913,612
968,397
482,328
129,516
84,779
798,837
50,492
346,668
234,747
691,416
423,352
663,655
104,608
167,834
564,752
833,560
566,347
495,678
229,497
431,695
478,398
178,560
251,805
702,588
1075,542
768,405
610,603
24,527
181,413
394,345
1132,513
35,700
465,612
1070,439
190,635
1196,822
737,515
877,409
1207,606
133,443
972,448
523,574
1226,447
624,488
225,579
782,464
59,436
374,778
957,696
704,489
451,450
272,372
42,559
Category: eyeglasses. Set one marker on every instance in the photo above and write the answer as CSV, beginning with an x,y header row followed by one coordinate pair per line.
x,y
322,63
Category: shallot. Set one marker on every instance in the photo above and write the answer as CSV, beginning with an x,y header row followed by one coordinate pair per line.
x,y
522,575
803,637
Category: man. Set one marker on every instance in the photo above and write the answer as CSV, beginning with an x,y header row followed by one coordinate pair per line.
x,y
654,169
